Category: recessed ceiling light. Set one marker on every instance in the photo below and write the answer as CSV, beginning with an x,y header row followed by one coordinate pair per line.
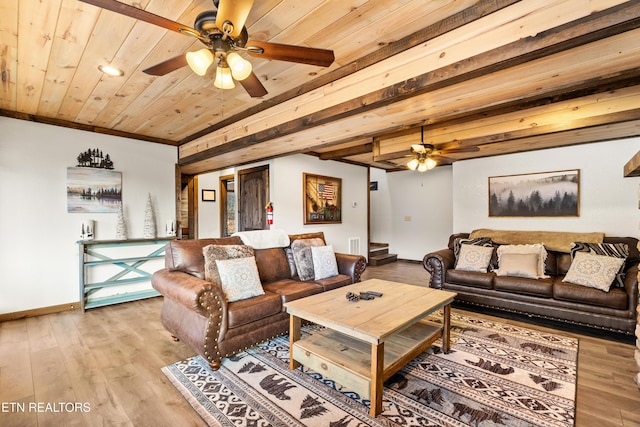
x,y
111,70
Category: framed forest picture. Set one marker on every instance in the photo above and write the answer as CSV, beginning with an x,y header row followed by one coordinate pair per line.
x,y
322,199
535,194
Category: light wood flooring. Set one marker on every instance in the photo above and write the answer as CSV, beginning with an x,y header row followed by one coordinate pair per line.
x,y
108,360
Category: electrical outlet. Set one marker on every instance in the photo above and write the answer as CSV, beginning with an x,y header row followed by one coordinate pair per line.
x,y
407,218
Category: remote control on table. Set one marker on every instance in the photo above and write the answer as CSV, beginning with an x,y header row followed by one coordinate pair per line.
x,y
375,294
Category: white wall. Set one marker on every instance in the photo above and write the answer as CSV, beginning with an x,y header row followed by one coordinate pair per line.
x,y
608,201
454,199
287,197
286,194
39,253
381,208
412,211
209,212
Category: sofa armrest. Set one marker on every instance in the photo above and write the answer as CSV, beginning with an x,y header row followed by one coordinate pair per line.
x,y
351,265
194,293
631,287
437,263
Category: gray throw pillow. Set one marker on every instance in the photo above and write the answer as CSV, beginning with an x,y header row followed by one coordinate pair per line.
x,y
302,257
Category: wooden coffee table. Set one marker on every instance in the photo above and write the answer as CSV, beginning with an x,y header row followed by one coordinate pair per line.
x,y
366,342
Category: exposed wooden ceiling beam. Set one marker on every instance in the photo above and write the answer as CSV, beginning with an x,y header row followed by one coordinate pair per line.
x,y
539,131
601,84
594,27
346,152
460,19
632,167
449,134
605,132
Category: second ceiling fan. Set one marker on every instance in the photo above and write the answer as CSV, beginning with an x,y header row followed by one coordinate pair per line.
x,y
223,33
423,154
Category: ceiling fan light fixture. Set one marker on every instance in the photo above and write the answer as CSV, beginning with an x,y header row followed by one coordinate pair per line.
x,y
223,77
240,67
199,61
430,163
421,163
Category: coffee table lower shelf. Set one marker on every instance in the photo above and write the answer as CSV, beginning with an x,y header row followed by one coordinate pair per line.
x,y
348,361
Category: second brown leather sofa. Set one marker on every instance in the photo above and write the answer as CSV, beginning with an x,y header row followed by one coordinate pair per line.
x,y
550,297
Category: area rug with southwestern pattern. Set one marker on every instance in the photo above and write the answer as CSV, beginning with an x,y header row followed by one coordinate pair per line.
x,y
495,375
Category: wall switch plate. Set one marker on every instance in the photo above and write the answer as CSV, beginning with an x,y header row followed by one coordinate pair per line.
x,y
407,218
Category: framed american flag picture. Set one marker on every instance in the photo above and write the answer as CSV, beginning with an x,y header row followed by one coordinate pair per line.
x,y
322,199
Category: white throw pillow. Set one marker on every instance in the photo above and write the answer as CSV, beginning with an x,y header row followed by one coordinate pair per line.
x,y
537,248
594,271
324,262
474,258
519,265
239,278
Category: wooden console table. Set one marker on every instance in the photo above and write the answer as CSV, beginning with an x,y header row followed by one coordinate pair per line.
x,y
122,262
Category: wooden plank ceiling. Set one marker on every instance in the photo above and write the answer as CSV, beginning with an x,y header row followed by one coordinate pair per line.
x,y
505,76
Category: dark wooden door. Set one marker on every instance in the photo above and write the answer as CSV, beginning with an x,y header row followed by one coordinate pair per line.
x,y
253,190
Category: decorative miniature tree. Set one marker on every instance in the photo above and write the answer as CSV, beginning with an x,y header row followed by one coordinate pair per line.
x,y
149,221
121,226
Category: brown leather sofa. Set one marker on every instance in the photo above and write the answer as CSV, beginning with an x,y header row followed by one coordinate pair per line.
x,y
545,298
195,310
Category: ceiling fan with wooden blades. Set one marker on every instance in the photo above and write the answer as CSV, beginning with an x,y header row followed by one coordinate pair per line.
x,y
224,34
423,154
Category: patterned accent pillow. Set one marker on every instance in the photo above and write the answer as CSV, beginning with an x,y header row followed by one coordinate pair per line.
x,y
519,265
616,250
459,241
239,278
480,241
474,258
536,248
594,271
302,257
221,252
292,264
324,262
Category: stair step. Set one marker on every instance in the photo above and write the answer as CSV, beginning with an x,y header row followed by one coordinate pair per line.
x,y
382,259
377,244
377,249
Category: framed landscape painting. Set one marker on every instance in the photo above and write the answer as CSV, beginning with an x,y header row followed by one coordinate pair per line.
x,y
322,199
93,190
536,194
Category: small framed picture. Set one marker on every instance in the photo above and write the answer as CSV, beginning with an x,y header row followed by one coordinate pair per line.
x,y
208,195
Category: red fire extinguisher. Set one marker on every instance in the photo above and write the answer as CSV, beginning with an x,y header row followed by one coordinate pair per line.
x,y
269,208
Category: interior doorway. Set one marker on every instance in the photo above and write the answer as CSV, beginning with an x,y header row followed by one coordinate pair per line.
x,y
227,205
188,207
253,190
